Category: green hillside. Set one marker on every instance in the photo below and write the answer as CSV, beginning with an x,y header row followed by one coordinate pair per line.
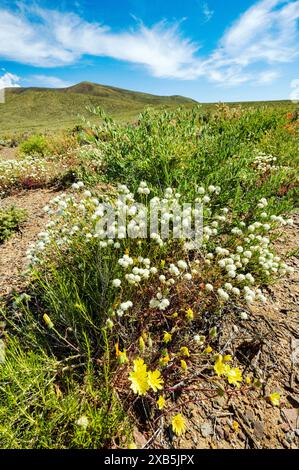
x,y
49,108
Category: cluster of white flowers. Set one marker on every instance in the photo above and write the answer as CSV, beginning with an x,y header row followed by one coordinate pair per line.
x,y
263,163
143,188
124,306
28,167
160,302
230,267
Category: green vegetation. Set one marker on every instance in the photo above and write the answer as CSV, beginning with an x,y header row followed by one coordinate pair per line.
x,y
35,145
108,328
10,222
39,109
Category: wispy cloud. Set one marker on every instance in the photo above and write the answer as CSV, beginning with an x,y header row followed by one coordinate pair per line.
x,y
266,34
207,12
48,80
8,80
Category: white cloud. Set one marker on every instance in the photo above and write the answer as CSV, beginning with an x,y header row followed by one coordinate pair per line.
x,y
267,77
8,80
294,95
47,80
207,12
265,34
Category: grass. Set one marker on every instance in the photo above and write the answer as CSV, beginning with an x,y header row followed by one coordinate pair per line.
x,y
41,109
72,344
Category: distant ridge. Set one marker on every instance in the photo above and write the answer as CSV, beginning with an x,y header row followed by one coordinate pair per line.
x,y
51,108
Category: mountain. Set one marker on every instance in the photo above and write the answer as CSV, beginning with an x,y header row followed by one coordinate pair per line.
x,y
53,108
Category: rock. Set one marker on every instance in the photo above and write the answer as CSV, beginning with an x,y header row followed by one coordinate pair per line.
x,y
292,416
139,439
258,429
206,429
220,432
227,435
241,436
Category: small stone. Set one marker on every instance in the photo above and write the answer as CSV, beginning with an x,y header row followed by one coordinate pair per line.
x,y
259,429
220,432
206,429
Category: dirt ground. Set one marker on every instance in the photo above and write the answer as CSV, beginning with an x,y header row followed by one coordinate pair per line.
x,y
13,251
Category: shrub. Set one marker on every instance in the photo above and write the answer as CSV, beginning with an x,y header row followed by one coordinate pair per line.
x,y
10,222
36,145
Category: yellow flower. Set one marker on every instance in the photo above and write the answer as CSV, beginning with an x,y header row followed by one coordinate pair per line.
x,y
219,367
190,314
208,349
141,344
167,337
48,321
175,315
236,426
185,351
227,358
275,399
121,355
138,377
155,380
161,402
248,380
165,359
132,445
184,365
178,424
127,251
234,376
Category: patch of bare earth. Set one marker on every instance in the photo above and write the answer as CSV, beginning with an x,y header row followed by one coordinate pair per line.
x,y
8,153
13,252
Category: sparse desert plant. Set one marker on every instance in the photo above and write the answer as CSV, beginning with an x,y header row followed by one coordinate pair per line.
x,y
35,145
10,221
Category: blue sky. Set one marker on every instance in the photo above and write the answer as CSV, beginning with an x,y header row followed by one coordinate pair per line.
x,y
209,50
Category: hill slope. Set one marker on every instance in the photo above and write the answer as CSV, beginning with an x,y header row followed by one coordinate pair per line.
x,y
50,108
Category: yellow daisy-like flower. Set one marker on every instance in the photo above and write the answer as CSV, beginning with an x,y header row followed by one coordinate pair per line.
x,y
208,349
165,359
274,399
219,367
190,314
227,358
184,365
155,380
234,376
167,337
139,377
178,424
185,351
161,402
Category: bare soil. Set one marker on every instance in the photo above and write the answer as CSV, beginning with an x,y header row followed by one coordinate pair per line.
x,y
13,252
